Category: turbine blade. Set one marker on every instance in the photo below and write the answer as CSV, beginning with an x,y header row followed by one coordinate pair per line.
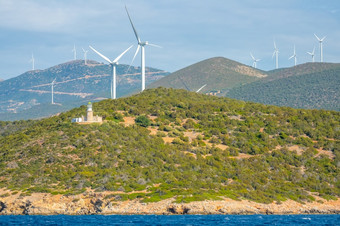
x,y
275,45
317,37
133,27
104,57
116,60
150,44
323,39
137,50
291,57
252,56
200,88
273,54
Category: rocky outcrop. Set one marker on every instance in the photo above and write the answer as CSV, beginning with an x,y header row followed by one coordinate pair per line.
x,y
99,203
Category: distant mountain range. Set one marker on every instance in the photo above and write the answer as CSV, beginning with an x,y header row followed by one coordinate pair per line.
x,y
29,95
310,85
218,73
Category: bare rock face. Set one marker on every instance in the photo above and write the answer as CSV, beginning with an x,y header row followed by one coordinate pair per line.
x,y
178,209
95,203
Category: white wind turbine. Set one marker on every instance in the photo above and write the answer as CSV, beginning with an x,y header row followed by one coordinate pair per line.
x,y
254,60
85,55
312,54
276,53
197,91
320,41
32,60
74,50
293,56
140,45
113,64
52,85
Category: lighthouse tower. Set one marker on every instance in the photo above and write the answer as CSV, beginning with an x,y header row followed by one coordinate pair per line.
x,y
89,117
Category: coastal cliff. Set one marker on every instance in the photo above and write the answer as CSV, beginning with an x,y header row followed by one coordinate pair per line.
x,y
96,203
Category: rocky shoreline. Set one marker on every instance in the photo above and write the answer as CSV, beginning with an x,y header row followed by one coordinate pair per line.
x,y
96,203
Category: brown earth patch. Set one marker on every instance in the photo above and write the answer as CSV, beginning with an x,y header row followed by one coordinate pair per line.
x,y
296,148
128,121
242,156
324,152
168,139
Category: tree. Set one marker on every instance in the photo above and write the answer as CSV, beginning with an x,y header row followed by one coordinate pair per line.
x,y
143,120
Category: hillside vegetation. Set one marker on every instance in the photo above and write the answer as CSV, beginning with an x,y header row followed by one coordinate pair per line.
x,y
306,86
218,73
166,143
309,85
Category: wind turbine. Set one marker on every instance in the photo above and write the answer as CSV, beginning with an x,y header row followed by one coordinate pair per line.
x,y
254,60
113,64
32,60
320,41
74,50
312,54
293,56
52,85
276,53
140,45
85,55
197,91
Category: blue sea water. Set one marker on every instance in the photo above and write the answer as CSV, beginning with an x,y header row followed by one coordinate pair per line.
x,y
172,220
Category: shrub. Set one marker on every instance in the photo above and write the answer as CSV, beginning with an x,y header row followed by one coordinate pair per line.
x,y
143,120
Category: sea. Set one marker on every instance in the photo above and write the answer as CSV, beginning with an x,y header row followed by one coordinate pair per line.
x,y
172,220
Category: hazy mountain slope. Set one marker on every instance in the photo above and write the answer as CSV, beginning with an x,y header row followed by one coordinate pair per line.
x,y
296,88
183,145
76,83
218,73
301,69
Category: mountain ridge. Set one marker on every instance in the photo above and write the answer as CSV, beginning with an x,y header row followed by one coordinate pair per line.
x,y
308,85
216,70
75,82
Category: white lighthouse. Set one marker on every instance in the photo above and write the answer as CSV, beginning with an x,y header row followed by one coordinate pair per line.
x,y
89,117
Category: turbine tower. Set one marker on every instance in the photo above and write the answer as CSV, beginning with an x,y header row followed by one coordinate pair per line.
x,y
74,50
312,54
254,60
276,54
32,60
320,41
113,64
141,45
293,56
52,85
85,55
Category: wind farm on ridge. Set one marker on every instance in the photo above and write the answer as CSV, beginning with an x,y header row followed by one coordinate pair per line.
x,y
257,61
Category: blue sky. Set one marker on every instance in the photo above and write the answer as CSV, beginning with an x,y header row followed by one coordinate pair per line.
x,y
188,30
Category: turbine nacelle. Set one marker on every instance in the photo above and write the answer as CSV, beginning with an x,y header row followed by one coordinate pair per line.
x,y
113,64
141,45
319,39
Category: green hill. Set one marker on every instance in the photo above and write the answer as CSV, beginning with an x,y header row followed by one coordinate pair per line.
x,y
218,73
310,85
166,143
76,83
305,86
